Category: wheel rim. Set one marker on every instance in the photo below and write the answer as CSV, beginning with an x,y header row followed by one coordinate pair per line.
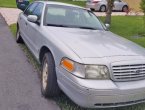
x,y
103,8
18,34
45,75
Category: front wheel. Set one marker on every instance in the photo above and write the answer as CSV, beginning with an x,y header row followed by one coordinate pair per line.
x,y
49,86
92,9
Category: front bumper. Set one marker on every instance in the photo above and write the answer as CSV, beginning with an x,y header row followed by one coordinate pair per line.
x,y
101,94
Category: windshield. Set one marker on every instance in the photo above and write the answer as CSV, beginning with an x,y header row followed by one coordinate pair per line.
x,y
72,17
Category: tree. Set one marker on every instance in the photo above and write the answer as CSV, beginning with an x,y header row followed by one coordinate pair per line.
x,y
110,5
142,6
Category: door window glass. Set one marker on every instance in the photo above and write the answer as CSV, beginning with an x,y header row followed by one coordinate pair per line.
x,y
30,9
38,10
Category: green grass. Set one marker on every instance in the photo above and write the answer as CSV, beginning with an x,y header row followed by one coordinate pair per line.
x,y
126,26
9,3
12,3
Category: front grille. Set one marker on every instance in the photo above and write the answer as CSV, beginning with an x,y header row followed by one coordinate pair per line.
x,y
120,103
128,72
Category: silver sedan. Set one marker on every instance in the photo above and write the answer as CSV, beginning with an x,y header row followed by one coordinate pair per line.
x,y
101,5
91,65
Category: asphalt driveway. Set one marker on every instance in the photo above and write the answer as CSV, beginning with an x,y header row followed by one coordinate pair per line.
x,y
19,82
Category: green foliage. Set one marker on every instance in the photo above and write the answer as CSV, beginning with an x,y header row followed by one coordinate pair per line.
x,y
142,5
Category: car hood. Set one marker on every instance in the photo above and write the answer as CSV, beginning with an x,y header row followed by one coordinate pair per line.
x,y
95,43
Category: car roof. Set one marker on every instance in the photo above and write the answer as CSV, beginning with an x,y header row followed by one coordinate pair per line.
x,y
59,3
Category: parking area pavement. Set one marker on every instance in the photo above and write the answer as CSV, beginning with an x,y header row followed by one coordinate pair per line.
x,y
10,14
19,82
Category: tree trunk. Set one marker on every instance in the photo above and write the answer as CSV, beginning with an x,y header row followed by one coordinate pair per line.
x,y
108,17
110,4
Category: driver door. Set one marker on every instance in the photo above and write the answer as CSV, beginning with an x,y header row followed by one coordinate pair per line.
x,y
24,24
34,30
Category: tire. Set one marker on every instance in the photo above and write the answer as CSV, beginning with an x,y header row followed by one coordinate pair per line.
x,y
103,8
49,85
92,9
124,8
18,36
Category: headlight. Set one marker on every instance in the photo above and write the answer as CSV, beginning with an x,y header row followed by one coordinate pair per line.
x,y
85,71
96,72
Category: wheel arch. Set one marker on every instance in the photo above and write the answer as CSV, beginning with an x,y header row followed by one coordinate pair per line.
x,y
102,6
43,50
125,6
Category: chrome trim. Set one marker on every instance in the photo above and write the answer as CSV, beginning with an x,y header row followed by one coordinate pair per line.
x,y
128,72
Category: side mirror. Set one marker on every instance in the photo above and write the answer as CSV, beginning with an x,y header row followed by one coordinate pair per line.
x,y
32,18
22,4
107,26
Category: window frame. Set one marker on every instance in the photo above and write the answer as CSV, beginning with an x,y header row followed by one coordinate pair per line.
x,y
47,6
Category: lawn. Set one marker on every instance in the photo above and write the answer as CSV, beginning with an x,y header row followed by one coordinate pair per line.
x,y
12,3
126,26
8,3
129,27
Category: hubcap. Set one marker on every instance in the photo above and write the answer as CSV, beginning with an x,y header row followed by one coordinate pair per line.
x,y
102,8
45,75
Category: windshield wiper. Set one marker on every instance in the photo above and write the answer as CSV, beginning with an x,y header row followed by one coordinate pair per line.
x,y
88,28
70,26
57,25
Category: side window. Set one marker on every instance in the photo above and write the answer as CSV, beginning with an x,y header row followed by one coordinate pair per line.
x,y
38,10
30,9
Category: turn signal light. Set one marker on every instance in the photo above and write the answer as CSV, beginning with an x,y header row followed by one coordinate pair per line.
x,y
68,65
